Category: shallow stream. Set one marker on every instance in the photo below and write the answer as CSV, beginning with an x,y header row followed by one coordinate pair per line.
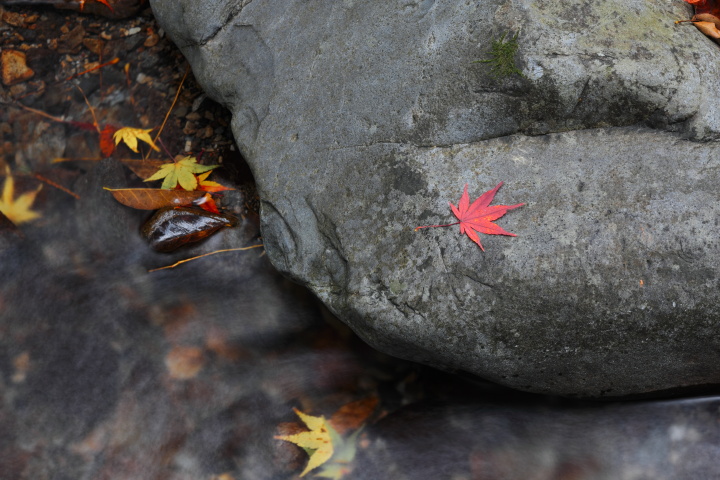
x,y
109,371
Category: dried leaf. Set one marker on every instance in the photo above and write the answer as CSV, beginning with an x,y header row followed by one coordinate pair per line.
x,y
153,198
708,28
180,172
317,440
479,216
131,136
18,210
707,17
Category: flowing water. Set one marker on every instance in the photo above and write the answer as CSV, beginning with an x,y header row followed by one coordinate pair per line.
x,y
109,371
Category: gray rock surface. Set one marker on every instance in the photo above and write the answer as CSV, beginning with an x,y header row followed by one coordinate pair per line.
x,y
361,120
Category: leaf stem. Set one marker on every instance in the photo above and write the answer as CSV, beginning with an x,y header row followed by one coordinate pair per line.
x,y
433,226
159,140
56,185
177,95
205,255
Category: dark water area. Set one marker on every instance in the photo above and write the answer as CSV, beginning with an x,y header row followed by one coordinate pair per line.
x,y
109,371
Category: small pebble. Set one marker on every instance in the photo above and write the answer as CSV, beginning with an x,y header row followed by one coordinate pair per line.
x,y
142,78
198,102
206,132
95,45
190,128
152,40
14,67
13,19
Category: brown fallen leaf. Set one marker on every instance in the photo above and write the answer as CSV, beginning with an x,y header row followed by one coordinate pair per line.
x,y
143,168
353,415
706,17
708,28
153,198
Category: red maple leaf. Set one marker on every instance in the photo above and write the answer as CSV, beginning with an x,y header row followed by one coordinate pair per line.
x,y
107,144
479,216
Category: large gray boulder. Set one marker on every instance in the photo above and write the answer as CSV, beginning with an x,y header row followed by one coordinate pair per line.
x,y
361,120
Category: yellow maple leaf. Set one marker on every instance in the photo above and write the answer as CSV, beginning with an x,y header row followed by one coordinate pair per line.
x,y
17,209
182,172
317,440
131,136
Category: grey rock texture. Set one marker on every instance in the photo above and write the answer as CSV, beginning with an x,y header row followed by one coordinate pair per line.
x,y
361,120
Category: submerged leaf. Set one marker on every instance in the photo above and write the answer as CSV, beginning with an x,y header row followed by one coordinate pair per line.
x,y
317,439
18,210
341,462
354,414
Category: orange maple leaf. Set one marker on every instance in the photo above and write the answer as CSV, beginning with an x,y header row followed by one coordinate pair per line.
x,y
479,216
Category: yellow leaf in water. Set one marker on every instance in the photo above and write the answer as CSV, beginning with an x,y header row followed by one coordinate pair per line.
x,y
17,209
131,136
317,440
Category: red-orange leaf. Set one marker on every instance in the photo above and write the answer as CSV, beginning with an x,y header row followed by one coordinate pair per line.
x,y
479,216
107,144
207,202
153,198
705,6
